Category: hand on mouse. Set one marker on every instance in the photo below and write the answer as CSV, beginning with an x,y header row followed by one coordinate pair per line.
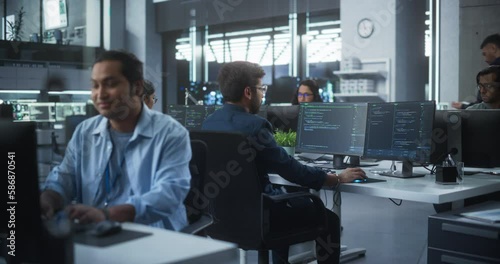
x,y
85,214
351,174
347,175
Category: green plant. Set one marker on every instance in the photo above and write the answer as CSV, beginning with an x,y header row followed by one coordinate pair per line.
x,y
285,139
14,29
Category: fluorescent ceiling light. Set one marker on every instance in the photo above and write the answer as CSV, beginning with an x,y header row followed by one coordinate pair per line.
x,y
248,32
215,36
326,23
21,91
72,92
281,36
238,40
331,30
266,37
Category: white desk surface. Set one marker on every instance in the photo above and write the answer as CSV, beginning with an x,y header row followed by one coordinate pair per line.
x,y
163,246
422,189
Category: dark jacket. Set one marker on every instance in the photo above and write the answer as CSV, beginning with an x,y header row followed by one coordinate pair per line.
x,y
270,158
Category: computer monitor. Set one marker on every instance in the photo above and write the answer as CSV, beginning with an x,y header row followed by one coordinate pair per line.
x,y
480,138
62,110
283,118
42,112
191,116
22,224
446,136
400,131
332,128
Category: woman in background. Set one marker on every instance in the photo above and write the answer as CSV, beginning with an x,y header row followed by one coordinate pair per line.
x,y
307,92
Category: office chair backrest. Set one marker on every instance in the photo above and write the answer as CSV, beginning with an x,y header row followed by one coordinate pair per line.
x,y
194,202
233,188
70,124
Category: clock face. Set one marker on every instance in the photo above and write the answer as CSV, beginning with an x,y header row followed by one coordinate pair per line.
x,y
365,28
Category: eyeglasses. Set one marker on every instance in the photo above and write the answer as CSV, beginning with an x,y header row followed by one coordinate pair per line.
x,y
262,88
155,100
305,95
488,86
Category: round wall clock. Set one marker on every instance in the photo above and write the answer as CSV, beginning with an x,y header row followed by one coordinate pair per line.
x,y
365,28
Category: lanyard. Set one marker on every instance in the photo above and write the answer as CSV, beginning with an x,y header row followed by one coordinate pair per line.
x,y
107,180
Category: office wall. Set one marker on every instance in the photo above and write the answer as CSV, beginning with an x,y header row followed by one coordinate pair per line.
x,y
449,52
398,36
478,19
142,40
179,14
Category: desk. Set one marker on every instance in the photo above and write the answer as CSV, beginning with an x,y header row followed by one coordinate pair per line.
x,y
163,246
422,189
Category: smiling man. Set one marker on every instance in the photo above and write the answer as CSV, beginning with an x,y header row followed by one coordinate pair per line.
x,y
127,164
488,85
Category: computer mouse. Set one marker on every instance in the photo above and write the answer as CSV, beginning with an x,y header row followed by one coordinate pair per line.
x,y
359,180
106,228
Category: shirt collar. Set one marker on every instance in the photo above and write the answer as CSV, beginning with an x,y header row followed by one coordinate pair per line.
x,y
144,125
234,107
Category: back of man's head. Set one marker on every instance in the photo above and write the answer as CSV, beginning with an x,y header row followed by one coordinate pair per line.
x,y
235,76
491,39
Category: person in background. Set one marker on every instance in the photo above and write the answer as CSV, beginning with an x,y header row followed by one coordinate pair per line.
x,y
149,96
128,163
241,85
307,92
490,49
488,86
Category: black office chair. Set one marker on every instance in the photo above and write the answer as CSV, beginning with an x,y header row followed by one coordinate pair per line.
x,y
242,212
195,203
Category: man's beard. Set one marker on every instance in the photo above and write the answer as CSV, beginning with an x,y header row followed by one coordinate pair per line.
x,y
254,105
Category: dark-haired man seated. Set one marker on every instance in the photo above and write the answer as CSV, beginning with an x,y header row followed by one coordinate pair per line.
x,y
488,85
241,85
127,164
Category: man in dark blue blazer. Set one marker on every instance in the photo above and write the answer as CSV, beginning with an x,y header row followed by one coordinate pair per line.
x,y
242,89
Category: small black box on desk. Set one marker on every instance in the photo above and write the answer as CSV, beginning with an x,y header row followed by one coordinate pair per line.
x,y
446,175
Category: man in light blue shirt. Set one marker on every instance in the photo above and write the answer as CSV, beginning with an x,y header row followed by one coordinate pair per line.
x,y
127,164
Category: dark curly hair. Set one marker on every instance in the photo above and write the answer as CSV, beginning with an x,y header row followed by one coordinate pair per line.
x,y
313,86
131,66
495,69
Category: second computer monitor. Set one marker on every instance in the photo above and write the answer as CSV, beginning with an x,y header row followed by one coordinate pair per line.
x,y
400,131
191,116
282,117
332,128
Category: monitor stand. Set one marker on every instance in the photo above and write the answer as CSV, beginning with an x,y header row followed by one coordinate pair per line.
x,y
407,171
354,161
338,162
